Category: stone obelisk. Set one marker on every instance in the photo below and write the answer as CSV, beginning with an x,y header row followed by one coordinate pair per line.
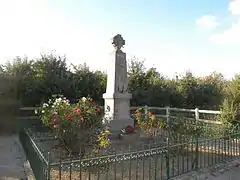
x,y
117,98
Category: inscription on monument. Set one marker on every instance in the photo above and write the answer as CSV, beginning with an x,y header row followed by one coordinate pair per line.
x,y
121,73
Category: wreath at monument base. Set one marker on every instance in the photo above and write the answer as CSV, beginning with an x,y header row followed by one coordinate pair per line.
x,y
127,131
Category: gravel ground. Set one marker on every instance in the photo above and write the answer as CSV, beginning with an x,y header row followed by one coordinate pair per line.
x,y
12,159
229,171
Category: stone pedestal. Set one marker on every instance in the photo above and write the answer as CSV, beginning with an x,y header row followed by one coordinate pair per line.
x,y
117,111
117,98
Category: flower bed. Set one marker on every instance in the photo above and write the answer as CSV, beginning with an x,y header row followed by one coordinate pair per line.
x,y
148,123
78,126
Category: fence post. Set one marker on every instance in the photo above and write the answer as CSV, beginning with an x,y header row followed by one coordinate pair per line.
x,y
167,164
145,110
168,120
167,114
197,152
196,137
197,114
49,166
168,135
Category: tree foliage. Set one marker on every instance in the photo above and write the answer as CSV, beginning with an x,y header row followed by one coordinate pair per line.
x,y
38,79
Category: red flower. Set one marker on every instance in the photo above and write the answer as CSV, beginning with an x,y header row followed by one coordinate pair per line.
x,y
54,122
98,110
91,99
69,117
150,113
78,110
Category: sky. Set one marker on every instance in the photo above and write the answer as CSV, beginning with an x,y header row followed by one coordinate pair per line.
x,y
174,36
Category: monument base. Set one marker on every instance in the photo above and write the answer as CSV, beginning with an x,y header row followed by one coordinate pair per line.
x,y
126,141
117,111
115,126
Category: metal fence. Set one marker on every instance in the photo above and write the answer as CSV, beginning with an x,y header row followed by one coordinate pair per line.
x,y
169,155
39,163
151,162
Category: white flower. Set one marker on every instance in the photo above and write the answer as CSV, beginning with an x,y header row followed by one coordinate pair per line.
x,y
43,111
35,111
59,99
45,105
84,99
66,102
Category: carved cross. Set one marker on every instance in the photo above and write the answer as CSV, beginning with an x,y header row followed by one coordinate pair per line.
x,y
118,41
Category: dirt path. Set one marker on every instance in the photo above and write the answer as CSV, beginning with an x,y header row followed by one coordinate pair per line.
x,y
12,159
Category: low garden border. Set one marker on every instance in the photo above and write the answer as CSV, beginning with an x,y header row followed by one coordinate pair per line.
x,y
163,162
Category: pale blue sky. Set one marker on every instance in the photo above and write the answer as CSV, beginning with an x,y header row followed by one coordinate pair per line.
x,y
178,35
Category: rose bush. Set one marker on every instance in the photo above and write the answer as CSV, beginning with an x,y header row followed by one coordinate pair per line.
x,y
148,122
78,126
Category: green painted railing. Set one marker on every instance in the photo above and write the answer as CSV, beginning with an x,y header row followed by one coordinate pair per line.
x,y
152,162
39,163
